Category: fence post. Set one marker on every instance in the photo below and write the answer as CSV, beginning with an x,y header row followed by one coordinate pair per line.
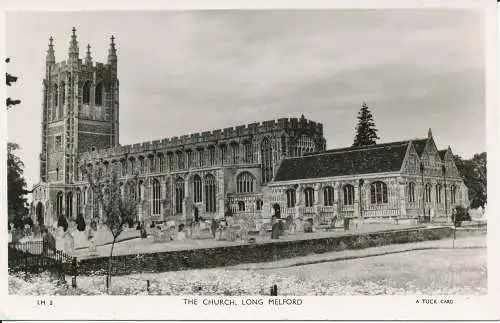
x,y
74,270
147,285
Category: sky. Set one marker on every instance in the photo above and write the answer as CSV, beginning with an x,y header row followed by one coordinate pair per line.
x,y
189,71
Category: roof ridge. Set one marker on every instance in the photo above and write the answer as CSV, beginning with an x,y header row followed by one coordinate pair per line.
x,y
354,149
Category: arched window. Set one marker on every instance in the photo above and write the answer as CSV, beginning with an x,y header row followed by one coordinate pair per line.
x,y
140,190
170,161
328,196
348,194
201,157
69,204
309,196
86,93
98,94
235,153
210,193
290,198
179,195
267,161
304,144
161,161
56,95
428,193
189,157
78,201
180,160
59,203
123,163
245,183
438,193
378,192
258,205
453,192
63,93
211,155
223,154
156,197
247,146
411,192
84,196
131,191
55,99
197,189
241,206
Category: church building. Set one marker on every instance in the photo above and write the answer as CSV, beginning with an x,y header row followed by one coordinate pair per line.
x,y
277,167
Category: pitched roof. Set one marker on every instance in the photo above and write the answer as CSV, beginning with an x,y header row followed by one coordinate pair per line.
x,y
419,145
380,158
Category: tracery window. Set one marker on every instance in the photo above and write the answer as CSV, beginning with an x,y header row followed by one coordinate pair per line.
x,y
438,193
210,194
197,188
248,152
453,192
348,194
428,193
179,195
241,206
411,192
156,197
309,196
69,205
98,94
290,198
258,205
86,93
267,161
245,183
378,192
328,196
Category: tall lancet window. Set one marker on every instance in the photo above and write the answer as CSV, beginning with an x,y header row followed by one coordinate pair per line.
x,y
86,93
55,99
267,162
98,94
62,95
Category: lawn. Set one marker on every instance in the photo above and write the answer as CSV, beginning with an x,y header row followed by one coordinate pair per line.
x,y
461,271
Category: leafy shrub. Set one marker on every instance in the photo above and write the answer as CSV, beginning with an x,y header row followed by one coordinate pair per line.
x,y
460,214
477,202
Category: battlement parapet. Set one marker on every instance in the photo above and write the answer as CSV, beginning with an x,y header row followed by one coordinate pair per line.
x,y
224,136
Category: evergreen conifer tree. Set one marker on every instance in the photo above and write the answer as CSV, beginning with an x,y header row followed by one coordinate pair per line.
x,y
366,133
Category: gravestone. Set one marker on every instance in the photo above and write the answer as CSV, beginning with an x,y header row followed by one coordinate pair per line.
x,y
276,230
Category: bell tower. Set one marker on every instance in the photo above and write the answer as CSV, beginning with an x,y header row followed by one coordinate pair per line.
x,y
80,110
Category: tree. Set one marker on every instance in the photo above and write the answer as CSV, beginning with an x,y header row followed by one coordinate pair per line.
x,y
9,79
473,171
118,209
16,186
366,133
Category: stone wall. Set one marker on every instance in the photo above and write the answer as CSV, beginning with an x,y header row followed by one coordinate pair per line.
x,y
233,255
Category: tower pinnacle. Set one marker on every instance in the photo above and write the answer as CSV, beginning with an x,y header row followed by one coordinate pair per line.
x,y
50,52
88,58
73,47
112,58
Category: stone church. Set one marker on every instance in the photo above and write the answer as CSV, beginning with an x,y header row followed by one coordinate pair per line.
x,y
254,171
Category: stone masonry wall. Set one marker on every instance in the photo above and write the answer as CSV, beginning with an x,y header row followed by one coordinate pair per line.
x,y
233,255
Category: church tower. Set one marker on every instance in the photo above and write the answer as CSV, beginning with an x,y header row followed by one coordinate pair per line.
x,y
79,114
80,111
